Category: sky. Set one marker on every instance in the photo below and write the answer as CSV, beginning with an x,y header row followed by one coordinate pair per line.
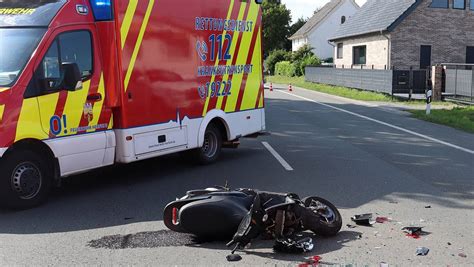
x,y
305,8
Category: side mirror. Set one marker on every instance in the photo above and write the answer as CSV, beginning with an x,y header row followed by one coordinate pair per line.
x,y
259,2
72,76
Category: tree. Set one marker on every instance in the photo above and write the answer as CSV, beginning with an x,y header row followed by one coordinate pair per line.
x,y
276,25
274,57
297,25
293,29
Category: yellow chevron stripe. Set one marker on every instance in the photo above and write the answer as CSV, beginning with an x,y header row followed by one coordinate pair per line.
x,y
30,123
252,88
97,110
2,109
127,20
242,60
260,103
111,122
74,107
229,13
48,107
138,44
232,49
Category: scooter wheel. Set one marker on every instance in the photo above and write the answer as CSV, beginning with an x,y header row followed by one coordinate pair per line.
x,y
327,220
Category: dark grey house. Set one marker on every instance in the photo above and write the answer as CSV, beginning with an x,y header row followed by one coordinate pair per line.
x,y
404,33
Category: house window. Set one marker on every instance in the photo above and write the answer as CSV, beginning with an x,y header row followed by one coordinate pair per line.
x,y
440,3
359,55
472,4
460,4
470,55
343,19
340,47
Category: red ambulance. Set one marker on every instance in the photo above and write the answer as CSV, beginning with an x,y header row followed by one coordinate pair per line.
x,y
91,83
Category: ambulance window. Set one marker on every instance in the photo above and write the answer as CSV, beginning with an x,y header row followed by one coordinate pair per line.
x,y
51,63
76,47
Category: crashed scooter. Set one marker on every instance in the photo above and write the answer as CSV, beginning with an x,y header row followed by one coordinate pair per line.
x,y
244,214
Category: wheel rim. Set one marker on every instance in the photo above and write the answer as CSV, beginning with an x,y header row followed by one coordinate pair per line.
x,y
324,211
26,180
209,148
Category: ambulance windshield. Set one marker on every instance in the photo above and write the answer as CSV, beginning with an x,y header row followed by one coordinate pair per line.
x,y
16,47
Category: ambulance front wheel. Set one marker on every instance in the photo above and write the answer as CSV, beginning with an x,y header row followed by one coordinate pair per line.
x,y
26,179
212,146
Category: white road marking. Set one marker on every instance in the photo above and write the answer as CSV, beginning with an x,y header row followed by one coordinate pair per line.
x,y
277,156
385,124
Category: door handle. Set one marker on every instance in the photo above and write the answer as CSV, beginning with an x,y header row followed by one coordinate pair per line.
x,y
95,97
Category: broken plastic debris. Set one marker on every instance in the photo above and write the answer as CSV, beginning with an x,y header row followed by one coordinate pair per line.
x,y
427,207
382,219
293,246
412,230
449,243
383,264
351,226
463,255
422,251
363,219
314,260
233,257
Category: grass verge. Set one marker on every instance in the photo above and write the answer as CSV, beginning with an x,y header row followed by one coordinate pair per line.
x,y
347,92
329,89
461,118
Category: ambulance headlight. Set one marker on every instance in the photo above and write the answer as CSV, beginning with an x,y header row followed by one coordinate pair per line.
x,y
102,9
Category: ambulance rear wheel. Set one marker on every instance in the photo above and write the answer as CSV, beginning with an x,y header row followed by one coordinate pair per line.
x,y
212,146
26,179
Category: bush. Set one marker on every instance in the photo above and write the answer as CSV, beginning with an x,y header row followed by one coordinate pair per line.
x,y
304,57
303,52
308,61
285,68
274,57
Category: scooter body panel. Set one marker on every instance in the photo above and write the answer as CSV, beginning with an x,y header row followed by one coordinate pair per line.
x,y
216,217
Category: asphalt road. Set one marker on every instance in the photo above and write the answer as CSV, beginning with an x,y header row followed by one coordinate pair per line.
x,y
362,157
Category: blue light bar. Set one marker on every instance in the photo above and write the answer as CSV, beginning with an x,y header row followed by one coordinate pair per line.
x,y
102,9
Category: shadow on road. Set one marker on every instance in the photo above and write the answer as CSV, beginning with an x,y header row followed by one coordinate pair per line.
x,y
346,159
165,238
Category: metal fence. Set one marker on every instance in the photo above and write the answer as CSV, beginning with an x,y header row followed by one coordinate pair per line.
x,y
365,79
459,81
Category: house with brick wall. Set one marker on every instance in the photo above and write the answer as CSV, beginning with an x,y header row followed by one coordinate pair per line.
x,y
406,33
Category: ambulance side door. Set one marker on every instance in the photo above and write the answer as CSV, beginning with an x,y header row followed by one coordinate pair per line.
x,y
70,114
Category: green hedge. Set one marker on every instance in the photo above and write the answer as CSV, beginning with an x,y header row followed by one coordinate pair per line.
x,y
285,68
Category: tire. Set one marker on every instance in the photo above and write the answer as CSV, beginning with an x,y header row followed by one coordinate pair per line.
x,y
324,224
26,179
211,149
